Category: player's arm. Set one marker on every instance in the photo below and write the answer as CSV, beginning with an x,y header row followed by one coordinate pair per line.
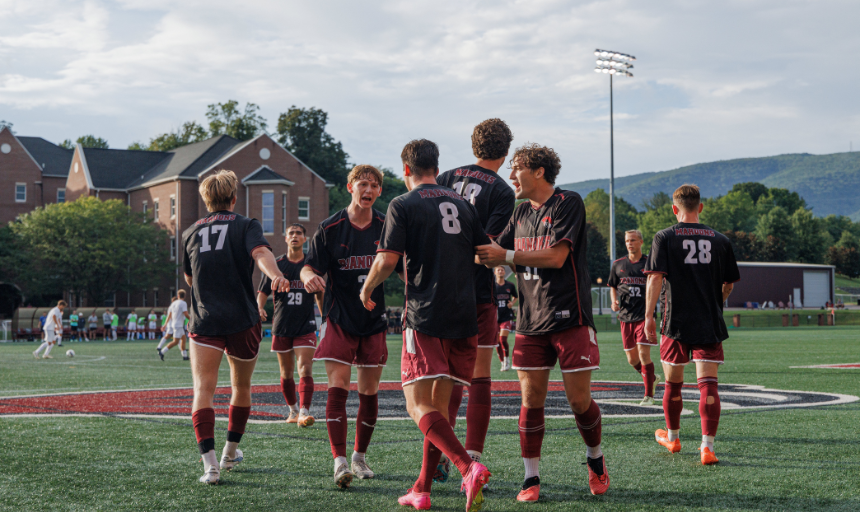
x,y
727,290
652,295
166,322
493,255
314,283
267,264
614,294
383,266
318,298
262,297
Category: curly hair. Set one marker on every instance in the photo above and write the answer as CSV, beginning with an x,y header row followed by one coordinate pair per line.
x,y
534,156
364,171
422,157
491,139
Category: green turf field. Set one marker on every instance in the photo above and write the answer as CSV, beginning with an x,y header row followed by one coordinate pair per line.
x,y
779,459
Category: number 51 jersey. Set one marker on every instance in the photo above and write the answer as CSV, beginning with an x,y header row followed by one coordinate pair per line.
x,y
217,257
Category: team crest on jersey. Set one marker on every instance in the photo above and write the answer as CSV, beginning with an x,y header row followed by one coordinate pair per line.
x,y
547,221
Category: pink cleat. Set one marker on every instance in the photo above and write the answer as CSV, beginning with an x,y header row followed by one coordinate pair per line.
x,y
473,485
417,500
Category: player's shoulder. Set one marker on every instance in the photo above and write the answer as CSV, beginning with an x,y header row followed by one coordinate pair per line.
x,y
334,220
378,216
666,233
566,198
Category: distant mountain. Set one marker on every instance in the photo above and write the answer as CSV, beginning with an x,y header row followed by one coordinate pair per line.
x,y
829,183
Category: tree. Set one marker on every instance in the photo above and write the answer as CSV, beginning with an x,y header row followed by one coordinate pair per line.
x,y
845,259
789,201
746,245
657,200
92,248
655,220
775,230
87,141
596,254
6,124
302,132
597,212
734,211
752,188
226,119
190,133
836,225
808,237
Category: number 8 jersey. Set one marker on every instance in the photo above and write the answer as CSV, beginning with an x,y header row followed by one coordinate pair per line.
x,y
696,261
217,257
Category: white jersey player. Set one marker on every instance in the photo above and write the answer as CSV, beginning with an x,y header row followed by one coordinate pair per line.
x,y
177,313
53,331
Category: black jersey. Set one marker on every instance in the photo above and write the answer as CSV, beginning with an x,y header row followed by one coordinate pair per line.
x,y
696,261
345,253
218,258
629,283
494,200
551,299
504,294
436,231
294,310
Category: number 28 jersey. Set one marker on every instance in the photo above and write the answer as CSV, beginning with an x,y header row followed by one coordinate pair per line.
x,y
217,257
629,282
294,310
696,261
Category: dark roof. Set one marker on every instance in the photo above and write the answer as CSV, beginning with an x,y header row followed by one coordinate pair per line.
x,y
54,160
187,160
264,174
117,168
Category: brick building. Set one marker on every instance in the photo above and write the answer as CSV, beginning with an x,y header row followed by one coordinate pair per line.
x,y
276,188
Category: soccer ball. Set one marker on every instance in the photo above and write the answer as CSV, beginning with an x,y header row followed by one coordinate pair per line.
x,y
70,353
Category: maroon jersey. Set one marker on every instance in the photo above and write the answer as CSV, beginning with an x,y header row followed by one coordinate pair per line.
x,y
629,282
505,293
294,310
551,299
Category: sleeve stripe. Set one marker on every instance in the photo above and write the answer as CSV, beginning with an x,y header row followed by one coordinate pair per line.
x,y
315,270
655,272
267,246
568,240
389,250
732,282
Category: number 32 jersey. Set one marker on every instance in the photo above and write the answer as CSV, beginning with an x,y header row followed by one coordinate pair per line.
x,y
696,261
294,310
218,258
629,282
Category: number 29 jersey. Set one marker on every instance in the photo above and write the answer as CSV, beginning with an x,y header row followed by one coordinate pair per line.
x,y
696,261
217,256
551,299
294,310
629,282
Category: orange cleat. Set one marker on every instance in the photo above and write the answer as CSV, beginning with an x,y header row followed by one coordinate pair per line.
x,y
708,456
598,484
531,493
293,417
662,437
305,420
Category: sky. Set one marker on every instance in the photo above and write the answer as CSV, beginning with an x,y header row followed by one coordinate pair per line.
x,y
712,80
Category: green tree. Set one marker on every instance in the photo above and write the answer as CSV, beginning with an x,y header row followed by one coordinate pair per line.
x,y
597,212
657,200
653,221
848,240
734,211
775,230
789,201
808,237
838,224
303,132
845,259
753,188
6,124
227,119
746,245
92,248
87,141
596,254
190,133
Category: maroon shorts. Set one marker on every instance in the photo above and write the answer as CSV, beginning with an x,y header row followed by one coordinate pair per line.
x,y
283,344
505,326
633,333
488,328
427,357
575,349
244,345
676,353
343,347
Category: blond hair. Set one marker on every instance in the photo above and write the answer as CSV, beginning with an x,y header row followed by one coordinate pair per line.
x,y
635,232
219,190
62,303
180,294
361,171
687,197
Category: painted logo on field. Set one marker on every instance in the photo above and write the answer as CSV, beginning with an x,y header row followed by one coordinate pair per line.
x,y
616,399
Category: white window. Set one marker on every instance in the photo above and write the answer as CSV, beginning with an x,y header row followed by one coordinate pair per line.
x,y
61,195
306,246
284,213
20,192
172,207
173,247
268,212
155,210
304,208
145,210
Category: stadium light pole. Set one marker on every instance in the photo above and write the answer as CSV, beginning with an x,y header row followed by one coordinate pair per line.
x,y
613,64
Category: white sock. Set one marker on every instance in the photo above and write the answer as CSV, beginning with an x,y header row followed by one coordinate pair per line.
x,y
161,343
476,456
210,458
304,412
531,467
41,347
293,408
48,350
593,452
673,434
338,461
230,449
164,350
357,457
184,353
708,442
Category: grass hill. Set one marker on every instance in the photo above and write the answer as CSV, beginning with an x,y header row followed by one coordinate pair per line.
x,y
828,183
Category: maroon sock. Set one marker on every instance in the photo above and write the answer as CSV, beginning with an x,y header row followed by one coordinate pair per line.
x,y
648,379
532,429
590,425
478,413
439,432
306,392
335,416
710,412
638,367
432,456
288,388
454,404
237,419
204,428
500,348
365,421
672,408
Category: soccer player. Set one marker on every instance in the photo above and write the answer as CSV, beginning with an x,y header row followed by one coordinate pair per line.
x,y
53,329
114,324
494,200
506,298
343,248
294,328
219,254
73,326
166,329
545,241
107,318
627,286
153,323
436,231
141,327
92,327
177,315
695,267
131,325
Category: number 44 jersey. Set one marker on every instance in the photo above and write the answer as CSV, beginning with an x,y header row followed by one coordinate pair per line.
x,y
217,257
695,261
294,310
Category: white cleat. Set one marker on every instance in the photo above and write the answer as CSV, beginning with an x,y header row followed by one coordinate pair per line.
x,y
212,476
36,355
47,356
362,470
227,463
